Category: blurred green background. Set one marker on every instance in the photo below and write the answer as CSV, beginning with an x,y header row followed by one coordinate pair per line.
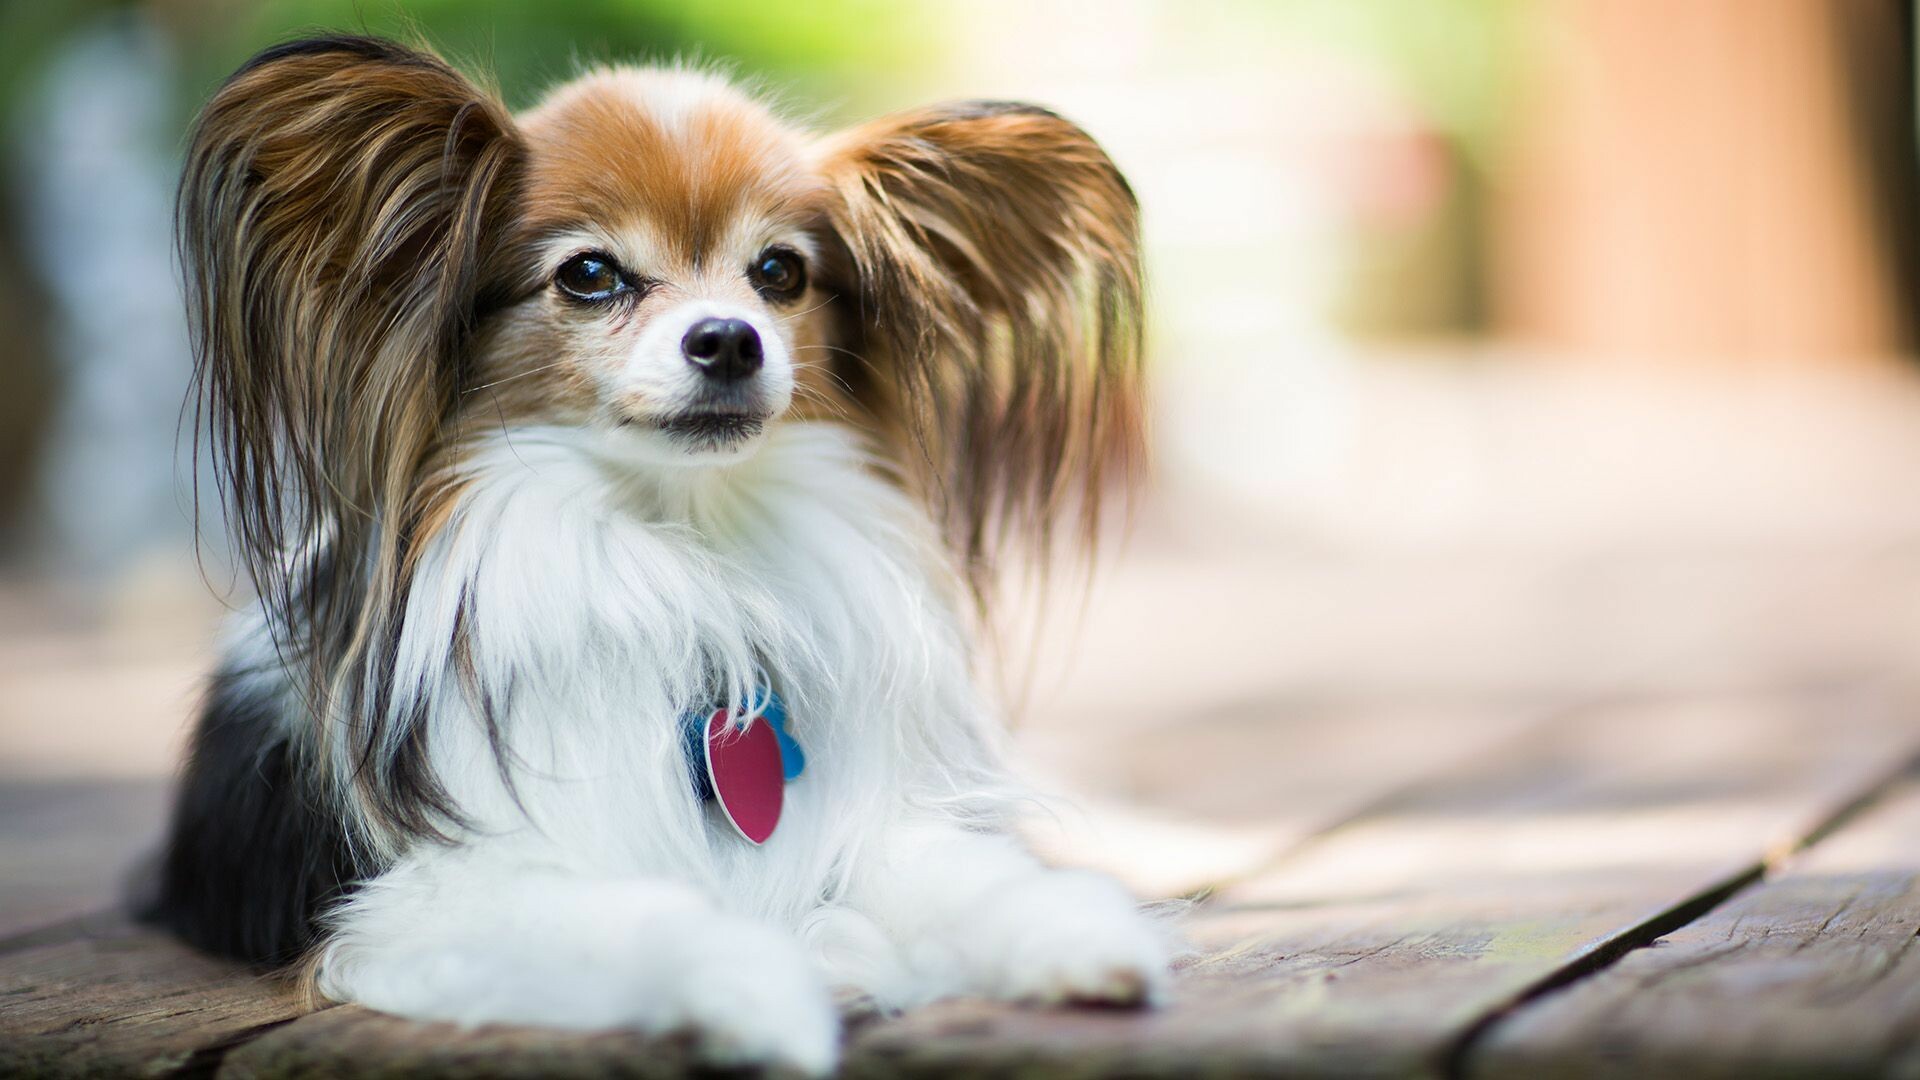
x,y
1326,182
1319,161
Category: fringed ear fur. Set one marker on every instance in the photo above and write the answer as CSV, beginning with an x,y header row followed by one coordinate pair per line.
x,y
335,210
995,261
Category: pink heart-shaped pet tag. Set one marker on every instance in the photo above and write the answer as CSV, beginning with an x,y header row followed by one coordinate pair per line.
x,y
743,766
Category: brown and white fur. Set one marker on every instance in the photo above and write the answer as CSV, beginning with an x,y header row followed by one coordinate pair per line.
x,y
537,431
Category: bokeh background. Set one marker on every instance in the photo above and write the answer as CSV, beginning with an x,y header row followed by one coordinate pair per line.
x,y
1507,355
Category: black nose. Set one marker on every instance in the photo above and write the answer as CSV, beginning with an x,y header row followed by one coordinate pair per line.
x,y
724,350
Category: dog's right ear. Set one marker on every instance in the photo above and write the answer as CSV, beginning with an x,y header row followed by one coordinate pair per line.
x,y
339,200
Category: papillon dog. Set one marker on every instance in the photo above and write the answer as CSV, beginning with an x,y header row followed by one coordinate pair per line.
x,y
621,483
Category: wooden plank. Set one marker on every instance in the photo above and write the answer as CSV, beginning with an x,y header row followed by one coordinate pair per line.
x,y
1221,706
66,846
351,1041
1815,972
108,998
1178,809
1366,952
1373,950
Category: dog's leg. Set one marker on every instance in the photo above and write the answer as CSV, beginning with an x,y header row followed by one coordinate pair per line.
x,y
472,936
975,913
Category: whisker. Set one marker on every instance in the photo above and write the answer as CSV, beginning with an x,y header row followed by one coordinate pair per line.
x,y
802,387
510,378
835,407
802,365
811,310
835,348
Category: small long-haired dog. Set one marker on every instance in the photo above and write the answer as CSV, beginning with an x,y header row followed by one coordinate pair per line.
x,y
568,449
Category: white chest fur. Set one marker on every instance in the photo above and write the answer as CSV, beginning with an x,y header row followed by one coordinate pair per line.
x,y
598,601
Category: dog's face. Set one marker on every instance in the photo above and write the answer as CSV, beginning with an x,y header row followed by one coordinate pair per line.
x,y
386,269
664,276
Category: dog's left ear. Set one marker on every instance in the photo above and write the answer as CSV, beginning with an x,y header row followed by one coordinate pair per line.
x,y
994,253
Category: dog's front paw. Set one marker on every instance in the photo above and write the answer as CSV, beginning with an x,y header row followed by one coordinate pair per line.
x,y
743,992
1068,937
749,996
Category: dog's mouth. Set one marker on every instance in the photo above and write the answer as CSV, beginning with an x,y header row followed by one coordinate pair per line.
x,y
712,429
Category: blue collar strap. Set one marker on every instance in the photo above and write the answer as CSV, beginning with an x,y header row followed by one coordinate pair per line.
x,y
764,706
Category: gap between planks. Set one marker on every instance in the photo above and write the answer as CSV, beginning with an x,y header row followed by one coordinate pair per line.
x,y
1402,788
1455,1058
1544,724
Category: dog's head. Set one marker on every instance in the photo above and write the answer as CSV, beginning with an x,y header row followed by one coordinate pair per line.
x,y
383,261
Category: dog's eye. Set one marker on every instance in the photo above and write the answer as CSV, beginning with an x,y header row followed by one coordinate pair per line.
x,y
590,276
779,274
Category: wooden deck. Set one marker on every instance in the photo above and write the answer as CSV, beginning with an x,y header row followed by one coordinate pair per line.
x,y
1623,808
1725,885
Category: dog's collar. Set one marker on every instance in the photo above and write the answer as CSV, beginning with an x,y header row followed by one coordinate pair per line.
x,y
742,759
